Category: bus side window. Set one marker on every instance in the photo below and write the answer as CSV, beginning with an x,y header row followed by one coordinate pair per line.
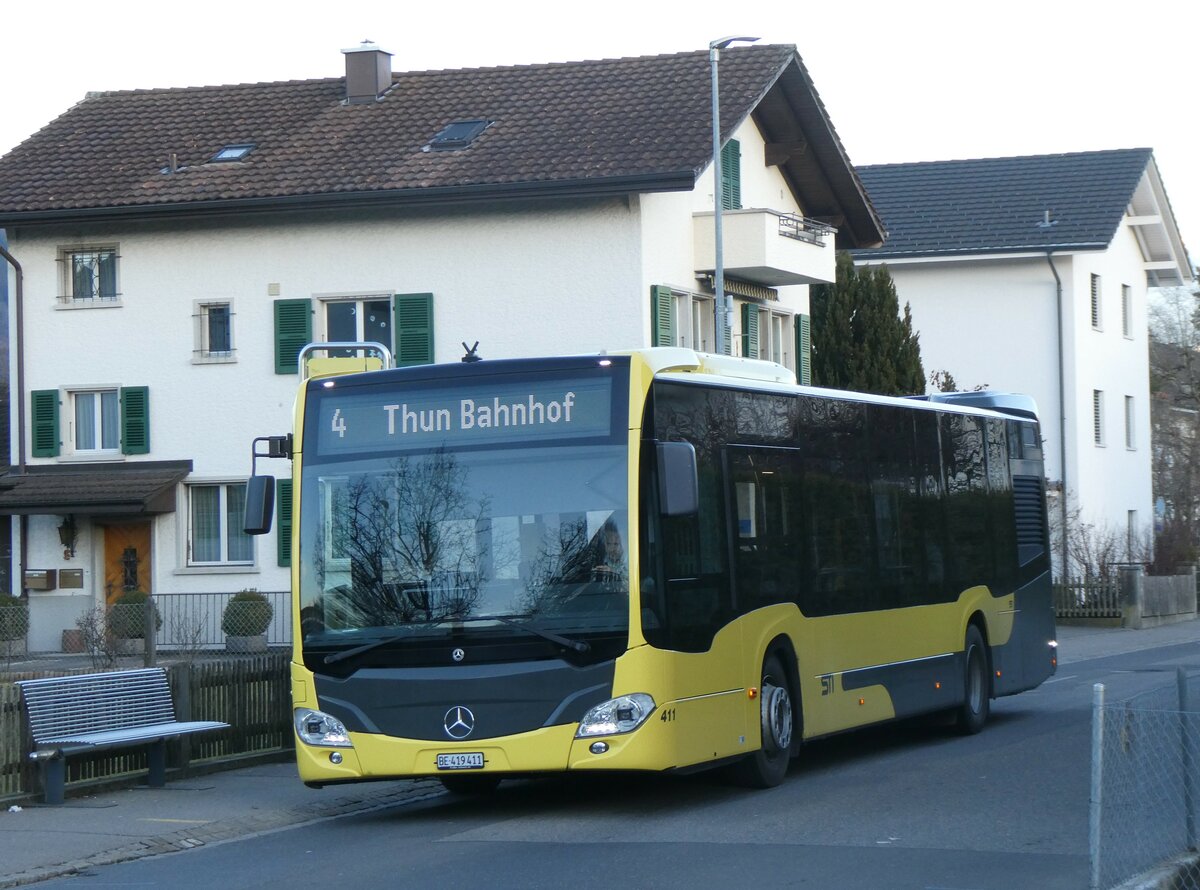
x,y
766,501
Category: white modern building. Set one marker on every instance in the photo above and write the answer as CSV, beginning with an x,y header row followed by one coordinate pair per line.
x,y
1030,274
178,247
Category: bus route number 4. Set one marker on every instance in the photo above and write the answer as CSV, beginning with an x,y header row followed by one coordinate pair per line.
x,y
339,423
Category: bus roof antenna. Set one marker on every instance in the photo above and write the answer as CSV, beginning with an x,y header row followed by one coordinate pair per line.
x,y
472,355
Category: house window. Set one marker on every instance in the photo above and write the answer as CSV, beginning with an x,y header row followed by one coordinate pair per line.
x,y
214,332
1098,416
679,318
775,337
97,416
89,274
1130,439
95,422
1096,317
696,313
356,321
1127,310
215,535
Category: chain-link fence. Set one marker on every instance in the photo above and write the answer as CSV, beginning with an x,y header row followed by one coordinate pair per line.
x,y
1145,797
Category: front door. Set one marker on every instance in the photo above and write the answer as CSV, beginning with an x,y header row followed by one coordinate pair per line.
x,y
126,559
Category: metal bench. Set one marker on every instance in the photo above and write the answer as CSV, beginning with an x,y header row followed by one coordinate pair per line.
x,y
90,712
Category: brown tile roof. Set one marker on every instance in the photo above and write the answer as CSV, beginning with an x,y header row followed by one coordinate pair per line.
x,y
93,489
596,127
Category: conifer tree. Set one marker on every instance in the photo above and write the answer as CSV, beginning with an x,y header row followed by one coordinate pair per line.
x,y
860,339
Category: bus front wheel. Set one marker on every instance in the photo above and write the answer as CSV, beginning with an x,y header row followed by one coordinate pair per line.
x,y
973,712
767,766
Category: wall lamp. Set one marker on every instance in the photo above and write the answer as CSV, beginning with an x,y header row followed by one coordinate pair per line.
x,y
68,534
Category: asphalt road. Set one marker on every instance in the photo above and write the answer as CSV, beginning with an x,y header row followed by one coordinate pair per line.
x,y
909,806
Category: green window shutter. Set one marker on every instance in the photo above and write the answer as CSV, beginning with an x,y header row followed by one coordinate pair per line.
x,y
293,331
750,330
44,422
731,175
414,329
804,350
283,520
135,420
662,316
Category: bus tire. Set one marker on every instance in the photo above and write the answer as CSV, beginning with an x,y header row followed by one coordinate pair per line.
x,y
767,766
470,785
972,714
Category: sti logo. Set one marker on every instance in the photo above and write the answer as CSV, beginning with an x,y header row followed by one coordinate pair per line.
x,y
826,684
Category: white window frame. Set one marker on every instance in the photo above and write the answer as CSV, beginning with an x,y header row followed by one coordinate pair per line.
x,y
1097,304
360,299
224,561
694,321
202,352
776,330
1130,427
1098,417
75,396
1127,311
66,261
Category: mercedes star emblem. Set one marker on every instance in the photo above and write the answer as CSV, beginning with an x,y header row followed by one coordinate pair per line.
x,y
459,722
458,654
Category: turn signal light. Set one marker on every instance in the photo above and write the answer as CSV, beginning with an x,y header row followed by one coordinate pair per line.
x,y
752,692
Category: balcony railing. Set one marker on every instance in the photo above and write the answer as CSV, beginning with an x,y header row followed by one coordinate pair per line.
x,y
802,229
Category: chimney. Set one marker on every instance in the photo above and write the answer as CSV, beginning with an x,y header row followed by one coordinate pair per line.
x,y
368,73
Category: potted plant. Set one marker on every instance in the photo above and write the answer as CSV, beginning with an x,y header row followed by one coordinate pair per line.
x,y
127,620
14,625
245,621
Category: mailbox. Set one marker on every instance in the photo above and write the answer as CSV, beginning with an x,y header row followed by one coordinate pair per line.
x,y
41,579
70,578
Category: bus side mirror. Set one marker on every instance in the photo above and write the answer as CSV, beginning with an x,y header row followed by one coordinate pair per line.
x,y
678,487
260,504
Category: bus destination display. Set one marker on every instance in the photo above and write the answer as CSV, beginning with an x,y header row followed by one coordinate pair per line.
x,y
482,413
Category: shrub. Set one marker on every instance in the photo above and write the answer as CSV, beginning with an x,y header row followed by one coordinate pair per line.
x,y
14,617
247,614
127,615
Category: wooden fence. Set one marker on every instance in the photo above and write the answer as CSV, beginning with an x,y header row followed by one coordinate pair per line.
x,y
252,694
1087,599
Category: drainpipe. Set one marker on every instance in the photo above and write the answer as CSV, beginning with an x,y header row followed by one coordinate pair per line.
x,y
20,355
1062,409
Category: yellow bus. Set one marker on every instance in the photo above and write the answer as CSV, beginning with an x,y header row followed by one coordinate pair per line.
x,y
655,560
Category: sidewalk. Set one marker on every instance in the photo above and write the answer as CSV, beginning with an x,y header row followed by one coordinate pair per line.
x,y
39,842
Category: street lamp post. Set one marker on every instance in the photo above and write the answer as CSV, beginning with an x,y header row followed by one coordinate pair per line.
x,y
720,304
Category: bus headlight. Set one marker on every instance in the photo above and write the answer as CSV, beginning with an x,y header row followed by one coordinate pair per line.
x,y
318,728
617,715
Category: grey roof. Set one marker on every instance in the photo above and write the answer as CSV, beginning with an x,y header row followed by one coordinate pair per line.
x,y
93,489
607,127
1001,205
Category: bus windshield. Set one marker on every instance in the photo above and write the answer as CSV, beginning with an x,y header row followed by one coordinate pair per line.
x,y
506,538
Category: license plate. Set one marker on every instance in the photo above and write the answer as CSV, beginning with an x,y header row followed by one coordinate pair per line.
x,y
472,760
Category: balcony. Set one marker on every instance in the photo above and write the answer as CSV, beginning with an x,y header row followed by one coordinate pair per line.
x,y
767,247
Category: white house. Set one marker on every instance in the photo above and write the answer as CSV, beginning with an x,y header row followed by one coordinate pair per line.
x,y
178,247
1030,274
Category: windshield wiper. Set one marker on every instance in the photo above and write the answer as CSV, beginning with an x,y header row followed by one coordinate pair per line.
x,y
575,645
383,641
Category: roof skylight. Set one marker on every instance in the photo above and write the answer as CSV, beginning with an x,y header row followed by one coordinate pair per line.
x,y
234,152
458,134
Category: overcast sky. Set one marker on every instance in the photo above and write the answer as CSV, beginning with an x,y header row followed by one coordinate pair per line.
x,y
917,81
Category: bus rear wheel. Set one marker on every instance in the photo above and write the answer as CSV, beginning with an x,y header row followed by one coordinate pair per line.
x,y
972,714
767,766
470,785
